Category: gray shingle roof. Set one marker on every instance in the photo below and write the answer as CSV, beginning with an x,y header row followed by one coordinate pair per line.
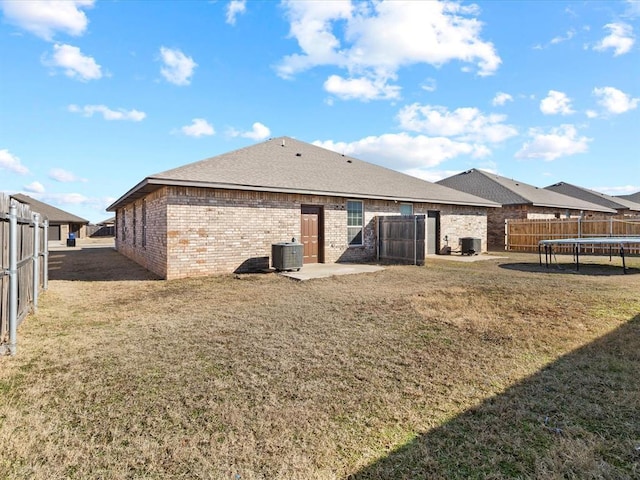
x,y
594,197
634,197
51,213
511,192
290,166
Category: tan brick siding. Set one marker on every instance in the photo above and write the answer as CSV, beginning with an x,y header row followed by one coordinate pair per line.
x,y
221,231
150,252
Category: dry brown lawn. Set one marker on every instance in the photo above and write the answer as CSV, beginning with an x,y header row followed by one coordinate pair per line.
x,y
495,369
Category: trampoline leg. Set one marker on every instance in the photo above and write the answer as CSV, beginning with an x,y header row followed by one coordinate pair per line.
x,y
546,255
624,266
540,254
577,248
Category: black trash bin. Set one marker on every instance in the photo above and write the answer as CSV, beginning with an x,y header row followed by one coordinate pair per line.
x,y
71,240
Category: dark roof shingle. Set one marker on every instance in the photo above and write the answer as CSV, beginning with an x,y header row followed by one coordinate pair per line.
x,y
287,165
511,192
594,197
51,213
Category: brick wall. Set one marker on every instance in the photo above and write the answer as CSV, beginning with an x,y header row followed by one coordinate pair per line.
x,y
197,231
146,244
457,222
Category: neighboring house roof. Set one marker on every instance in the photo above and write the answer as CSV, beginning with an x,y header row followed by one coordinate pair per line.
x,y
108,221
594,197
634,197
53,214
506,191
286,165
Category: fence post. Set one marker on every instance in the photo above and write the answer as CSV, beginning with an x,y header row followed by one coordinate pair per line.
x,y
45,255
506,234
611,226
13,278
35,258
580,226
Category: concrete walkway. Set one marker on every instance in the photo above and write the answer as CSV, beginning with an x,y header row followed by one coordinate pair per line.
x,y
324,270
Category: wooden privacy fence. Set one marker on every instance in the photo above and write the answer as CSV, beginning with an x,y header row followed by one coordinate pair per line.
x,y
101,231
402,239
23,267
523,235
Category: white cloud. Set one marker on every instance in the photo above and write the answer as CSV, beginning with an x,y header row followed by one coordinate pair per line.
x,y
65,198
178,68
10,162
401,151
633,9
556,103
501,98
615,101
361,88
559,142
64,176
258,132
46,17
235,8
107,113
374,40
468,124
559,39
621,39
34,187
429,85
73,62
199,128
622,190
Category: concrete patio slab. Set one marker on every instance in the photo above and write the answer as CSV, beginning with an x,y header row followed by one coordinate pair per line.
x,y
324,270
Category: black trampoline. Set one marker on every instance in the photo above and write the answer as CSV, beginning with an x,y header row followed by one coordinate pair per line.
x,y
577,243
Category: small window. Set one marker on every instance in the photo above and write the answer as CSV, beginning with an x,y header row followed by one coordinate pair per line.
x,y
406,209
124,225
135,224
355,222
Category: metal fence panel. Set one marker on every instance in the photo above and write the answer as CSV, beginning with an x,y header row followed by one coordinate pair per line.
x,y
23,265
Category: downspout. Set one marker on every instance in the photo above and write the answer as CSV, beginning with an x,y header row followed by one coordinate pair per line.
x,y
35,258
13,278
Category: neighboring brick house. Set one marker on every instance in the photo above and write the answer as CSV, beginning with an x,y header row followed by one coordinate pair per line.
x,y
623,206
222,214
519,200
61,223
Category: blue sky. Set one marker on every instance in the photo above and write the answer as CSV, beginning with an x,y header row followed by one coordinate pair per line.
x,y
97,95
